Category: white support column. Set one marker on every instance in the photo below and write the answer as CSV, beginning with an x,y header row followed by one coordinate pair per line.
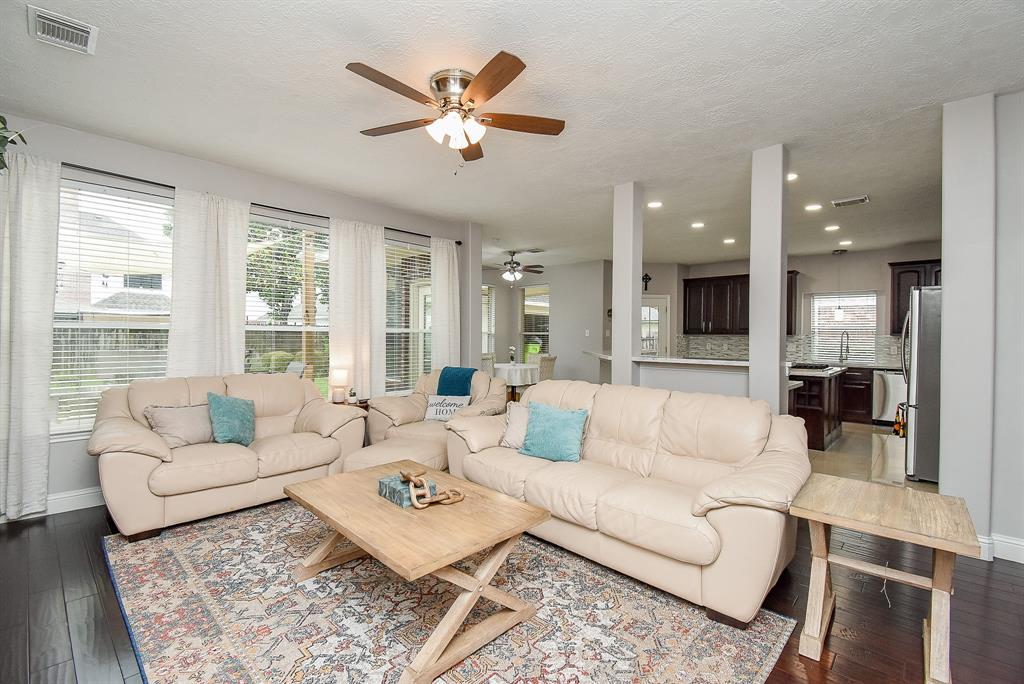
x,y
968,305
768,277
627,269
471,277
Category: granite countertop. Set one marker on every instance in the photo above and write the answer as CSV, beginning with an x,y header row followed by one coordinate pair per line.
x,y
829,372
675,360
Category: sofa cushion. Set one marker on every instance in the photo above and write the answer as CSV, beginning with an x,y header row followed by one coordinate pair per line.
x,y
563,394
181,425
170,392
571,490
624,427
277,398
203,466
714,427
655,515
295,451
425,451
424,429
502,469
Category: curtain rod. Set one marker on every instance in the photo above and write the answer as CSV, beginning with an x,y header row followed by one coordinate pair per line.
x,y
116,175
264,206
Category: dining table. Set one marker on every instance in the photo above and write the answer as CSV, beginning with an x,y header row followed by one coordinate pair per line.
x,y
517,375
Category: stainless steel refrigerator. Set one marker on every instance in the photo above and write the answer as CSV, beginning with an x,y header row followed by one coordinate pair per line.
x,y
921,351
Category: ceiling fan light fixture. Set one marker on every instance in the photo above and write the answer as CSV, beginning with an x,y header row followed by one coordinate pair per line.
x,y
437,130
474,131
508,276
458,141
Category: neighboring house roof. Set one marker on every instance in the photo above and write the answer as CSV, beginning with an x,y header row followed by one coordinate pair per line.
x,y
135,302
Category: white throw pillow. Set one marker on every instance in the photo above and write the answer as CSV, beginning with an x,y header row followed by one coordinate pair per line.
x,y
515,430
181,425
443,408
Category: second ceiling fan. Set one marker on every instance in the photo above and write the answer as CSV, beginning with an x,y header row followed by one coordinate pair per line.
x,y
457,93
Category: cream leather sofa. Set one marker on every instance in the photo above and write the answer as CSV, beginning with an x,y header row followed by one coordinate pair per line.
x,y
148,486
687,492
391,417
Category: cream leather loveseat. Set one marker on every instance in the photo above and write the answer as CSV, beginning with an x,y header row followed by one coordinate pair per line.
x,y
687,492
148,486
391,417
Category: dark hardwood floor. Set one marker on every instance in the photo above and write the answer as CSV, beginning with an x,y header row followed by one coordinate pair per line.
x,y
60,621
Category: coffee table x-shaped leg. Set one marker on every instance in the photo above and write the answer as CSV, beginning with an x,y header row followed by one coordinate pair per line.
x,y
445,647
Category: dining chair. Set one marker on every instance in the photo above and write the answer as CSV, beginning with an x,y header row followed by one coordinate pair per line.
x,y
547,366
487,364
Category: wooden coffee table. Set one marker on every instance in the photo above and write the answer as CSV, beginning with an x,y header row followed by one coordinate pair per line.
x,y
941,523
415,543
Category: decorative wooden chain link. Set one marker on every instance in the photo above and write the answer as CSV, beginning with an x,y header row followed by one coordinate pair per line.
x,y
419,491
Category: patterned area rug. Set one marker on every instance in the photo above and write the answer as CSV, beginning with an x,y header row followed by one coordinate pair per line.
x,y
215,602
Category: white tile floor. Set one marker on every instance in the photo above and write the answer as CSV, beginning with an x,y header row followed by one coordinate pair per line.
x,y
867,452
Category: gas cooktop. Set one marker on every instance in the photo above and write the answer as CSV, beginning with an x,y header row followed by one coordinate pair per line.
x,y
810,366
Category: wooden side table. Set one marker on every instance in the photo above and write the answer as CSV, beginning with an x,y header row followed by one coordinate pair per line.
x,y
941,523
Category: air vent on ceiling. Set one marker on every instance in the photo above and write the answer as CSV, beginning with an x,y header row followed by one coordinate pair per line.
x,y
61,31
850,201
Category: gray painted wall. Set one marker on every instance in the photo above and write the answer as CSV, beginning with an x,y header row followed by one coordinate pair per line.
x,y
71,468
1008,442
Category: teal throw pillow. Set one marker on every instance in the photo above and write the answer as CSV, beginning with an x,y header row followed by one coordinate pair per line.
x,y
234,420
554,434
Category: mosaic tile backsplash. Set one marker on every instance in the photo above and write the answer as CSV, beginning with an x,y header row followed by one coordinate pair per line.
x,y
799,349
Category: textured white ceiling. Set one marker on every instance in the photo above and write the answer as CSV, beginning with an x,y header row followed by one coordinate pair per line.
x,y
674,95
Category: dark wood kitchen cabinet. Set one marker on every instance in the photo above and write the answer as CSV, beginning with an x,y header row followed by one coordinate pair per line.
x,y
907,275
721,305
855,395
819,403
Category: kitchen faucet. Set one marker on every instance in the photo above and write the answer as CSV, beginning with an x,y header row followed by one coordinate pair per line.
x,y
844,346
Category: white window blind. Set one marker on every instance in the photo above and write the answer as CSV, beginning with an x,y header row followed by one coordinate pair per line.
x,y
407,340
287,295
112,301
487,318
832,314
536,306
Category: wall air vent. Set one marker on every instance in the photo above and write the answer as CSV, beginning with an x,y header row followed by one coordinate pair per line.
x,y
56,29
850,201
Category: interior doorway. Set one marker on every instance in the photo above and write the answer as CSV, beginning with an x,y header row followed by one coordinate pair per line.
x,y
655,325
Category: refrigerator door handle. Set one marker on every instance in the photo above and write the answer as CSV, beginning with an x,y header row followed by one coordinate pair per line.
x,y
903,349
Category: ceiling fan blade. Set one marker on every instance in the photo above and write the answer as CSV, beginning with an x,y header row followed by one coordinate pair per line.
x,y
534,266
537,271
392,84
523,123
397,127
492,79
473,152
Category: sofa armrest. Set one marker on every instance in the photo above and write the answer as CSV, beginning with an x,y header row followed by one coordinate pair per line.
x,y
127,436
772,481
479,432
324,418
490,405
402,410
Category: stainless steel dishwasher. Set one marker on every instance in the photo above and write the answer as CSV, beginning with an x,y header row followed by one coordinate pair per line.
x,y
889,390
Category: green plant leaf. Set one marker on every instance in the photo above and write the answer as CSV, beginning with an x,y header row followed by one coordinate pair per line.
x,y
3,121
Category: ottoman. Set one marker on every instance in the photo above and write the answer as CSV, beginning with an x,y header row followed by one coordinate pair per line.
x,y
430,453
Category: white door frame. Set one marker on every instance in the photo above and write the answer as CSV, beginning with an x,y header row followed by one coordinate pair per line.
x,y
664,303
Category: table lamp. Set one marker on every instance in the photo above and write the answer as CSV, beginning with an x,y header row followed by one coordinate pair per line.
x,y
339,385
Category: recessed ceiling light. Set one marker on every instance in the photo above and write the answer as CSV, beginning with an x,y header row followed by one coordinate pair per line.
x,y
729,241
654,205
844,243
698,224
813,207
831,228
792,176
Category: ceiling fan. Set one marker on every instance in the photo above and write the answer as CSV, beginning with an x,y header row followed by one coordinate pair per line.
x,y
456,94
512,270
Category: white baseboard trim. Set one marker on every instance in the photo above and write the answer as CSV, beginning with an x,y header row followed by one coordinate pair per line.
x,y
62,502
986,548
1008,548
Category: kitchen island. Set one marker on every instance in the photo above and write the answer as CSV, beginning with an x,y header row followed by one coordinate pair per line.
x,y
819,403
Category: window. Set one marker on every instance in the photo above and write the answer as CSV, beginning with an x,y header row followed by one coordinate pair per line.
x,y
649,322
487,319
536,305
112,303
287,295
407,346
833,314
